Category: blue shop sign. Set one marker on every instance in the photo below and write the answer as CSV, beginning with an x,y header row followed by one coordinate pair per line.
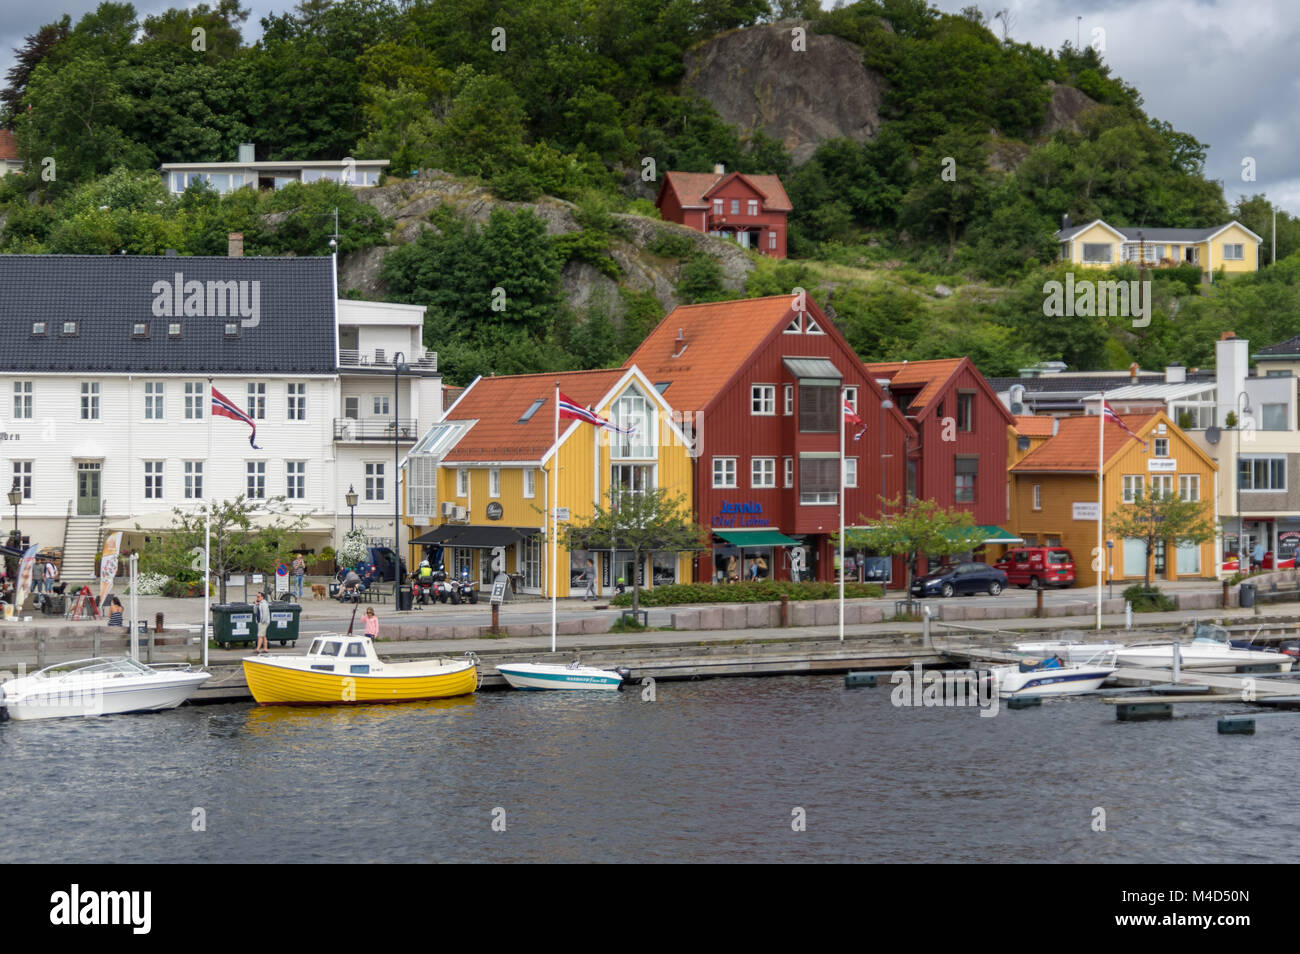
x,y
737,514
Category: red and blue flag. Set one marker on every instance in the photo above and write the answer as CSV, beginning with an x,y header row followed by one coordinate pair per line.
x,y
222,406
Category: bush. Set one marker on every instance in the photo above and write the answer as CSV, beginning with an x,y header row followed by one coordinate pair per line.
x,y
1149,599
670,245
151,584
762,591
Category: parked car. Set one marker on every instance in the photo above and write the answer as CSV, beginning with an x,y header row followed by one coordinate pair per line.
x,y
964,578
378,566
1038,566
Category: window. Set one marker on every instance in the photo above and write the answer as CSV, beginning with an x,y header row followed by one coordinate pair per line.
x,y
1038,496
256,470
724,472
295,472
819,411
1162,446
153,480
850,472
173,329
752,206
355,649
1274,417
762,399
634,413
1189,487
1261,473
90,400
153,401
494,482
193,479
735,206
257,401
1162,485
967,468
789,399
23,477
70,329
1100,253
1132,487
297,402
380,405
771,240
532,409
632,478
717,206
38,327
375,481
530,482
819,478
965,411
23,400
352,408
762,472
140,329
462,481
193,400
1233,253
851,398
789,472
232,329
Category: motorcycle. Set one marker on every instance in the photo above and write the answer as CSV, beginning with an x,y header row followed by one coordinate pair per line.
x,y
442,589
463,590
422,591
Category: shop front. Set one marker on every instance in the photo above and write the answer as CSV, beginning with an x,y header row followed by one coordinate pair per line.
x,y
759,555
481,552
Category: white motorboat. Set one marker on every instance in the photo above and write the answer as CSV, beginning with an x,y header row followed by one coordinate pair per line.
x,y
1053,676
573,676
104,685
1070,652
1205,652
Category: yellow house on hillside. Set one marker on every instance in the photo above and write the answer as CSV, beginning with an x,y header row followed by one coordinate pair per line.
x,y
479,482
1054,494
1231,247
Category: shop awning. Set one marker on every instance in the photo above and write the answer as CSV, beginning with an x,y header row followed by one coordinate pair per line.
x,y
756,538
998,535
163,520
461,535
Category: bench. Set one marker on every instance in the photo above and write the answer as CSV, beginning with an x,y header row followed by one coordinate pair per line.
x,y
1280,594
379,592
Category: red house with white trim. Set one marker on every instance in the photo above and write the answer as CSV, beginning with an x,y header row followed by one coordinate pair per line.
x,y
749,209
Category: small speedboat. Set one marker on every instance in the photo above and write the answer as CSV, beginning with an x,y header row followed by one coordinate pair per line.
x,y
573,676
346,670
104,685
1052,677
1205,653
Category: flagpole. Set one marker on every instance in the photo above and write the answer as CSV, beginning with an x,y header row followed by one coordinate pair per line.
x,y
843,401
1101,503
207,533
555,503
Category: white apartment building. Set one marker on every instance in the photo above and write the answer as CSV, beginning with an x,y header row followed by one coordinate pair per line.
x,y
106,394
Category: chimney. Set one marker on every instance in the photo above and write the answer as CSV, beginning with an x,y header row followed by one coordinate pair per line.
x,y
1065,221
719,169
1175,374
681,343
235,244
1133,373
1231,367
246,152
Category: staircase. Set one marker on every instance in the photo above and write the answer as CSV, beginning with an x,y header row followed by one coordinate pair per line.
x,y
79,549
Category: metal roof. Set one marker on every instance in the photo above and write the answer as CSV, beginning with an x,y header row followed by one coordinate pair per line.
x,y
812,368
1164,392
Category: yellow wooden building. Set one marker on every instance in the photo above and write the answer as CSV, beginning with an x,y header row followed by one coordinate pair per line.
x,y
1054,494
1231,247
479,482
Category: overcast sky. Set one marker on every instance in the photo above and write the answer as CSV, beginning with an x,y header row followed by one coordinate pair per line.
x,y
1223,70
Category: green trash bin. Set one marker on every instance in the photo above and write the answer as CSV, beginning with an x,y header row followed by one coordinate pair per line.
x,y
232,623
284,623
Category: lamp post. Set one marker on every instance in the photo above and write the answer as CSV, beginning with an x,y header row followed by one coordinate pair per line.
x,y
15,497
351,499
399,366
1241,540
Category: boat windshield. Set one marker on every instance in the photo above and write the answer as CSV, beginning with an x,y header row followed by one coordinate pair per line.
x,y
101,664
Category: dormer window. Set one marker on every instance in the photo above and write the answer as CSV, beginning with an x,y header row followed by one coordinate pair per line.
x,y
232,329
38,327
796,324
811,327
173,329
140,329
70,329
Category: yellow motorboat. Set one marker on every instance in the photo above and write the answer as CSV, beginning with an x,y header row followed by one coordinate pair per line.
x,y
346,670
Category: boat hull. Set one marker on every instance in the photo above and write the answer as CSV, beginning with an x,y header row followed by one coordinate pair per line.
x,y
533,676
1051,682
59,699
1191,657
278,685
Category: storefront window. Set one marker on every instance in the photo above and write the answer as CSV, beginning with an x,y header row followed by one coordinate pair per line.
x,y
532,568
462,563
623,564
665,567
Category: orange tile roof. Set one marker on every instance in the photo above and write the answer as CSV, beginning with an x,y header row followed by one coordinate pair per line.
x,y
1034,425
8,145
1074,448
720,338
498,403
930,376
693,187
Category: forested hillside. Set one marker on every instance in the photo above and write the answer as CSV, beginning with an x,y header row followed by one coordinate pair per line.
x,y
552,123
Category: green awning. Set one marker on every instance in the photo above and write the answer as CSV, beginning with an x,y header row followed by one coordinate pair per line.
x,y
998,535
756,538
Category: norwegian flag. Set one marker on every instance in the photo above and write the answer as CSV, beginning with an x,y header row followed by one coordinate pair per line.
x,y
222,406
851,416
1112,416
570,408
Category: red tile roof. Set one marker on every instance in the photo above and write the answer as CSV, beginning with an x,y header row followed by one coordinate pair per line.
x,y
692,188
1074,448
720,338
8,145
1034,425
929,376
497,404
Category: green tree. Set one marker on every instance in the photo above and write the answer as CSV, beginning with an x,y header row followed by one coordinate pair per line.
x,y
642,523
1161,516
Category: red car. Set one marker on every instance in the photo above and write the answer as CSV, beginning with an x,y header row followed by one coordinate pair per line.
x,y
1038,566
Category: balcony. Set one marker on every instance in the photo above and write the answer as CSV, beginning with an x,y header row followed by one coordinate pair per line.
x,y
375,429
381,360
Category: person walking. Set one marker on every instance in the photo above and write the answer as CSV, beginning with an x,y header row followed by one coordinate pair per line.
x,y
51,576
262,614
372,623
589,576
299,571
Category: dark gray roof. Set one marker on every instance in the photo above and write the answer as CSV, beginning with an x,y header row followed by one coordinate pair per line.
x,y
1288,348
290,329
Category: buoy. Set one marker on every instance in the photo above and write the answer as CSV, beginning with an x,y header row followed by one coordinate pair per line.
x,y
1142,711
1237,725
859,680
1024,702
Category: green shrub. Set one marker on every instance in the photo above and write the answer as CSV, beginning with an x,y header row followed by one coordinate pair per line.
x,y
669,245
761,591
1149,599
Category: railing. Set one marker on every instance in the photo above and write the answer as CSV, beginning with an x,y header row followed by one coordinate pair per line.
x,y
379,358
375,429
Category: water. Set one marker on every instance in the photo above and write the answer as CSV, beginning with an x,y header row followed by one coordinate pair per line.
x,y
711,771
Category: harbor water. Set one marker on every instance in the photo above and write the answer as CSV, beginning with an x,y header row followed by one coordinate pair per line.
x,y
789,769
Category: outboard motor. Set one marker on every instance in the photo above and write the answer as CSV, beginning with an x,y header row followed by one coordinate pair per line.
x,y
626,674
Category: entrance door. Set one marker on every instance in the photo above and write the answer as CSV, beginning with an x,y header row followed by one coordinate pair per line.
x,y
88,488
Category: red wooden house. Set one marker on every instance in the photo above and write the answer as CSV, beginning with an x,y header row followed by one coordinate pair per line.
x,y
749,209
758,384
960,459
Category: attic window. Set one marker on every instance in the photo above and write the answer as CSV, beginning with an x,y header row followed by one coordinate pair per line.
x,y
795,327
173,329
232,329
811,327
532,409
38,327
140,329
70,329
662,386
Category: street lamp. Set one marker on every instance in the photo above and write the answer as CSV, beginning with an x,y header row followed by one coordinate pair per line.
x,y
1241,540
351,499
15,497
399,367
